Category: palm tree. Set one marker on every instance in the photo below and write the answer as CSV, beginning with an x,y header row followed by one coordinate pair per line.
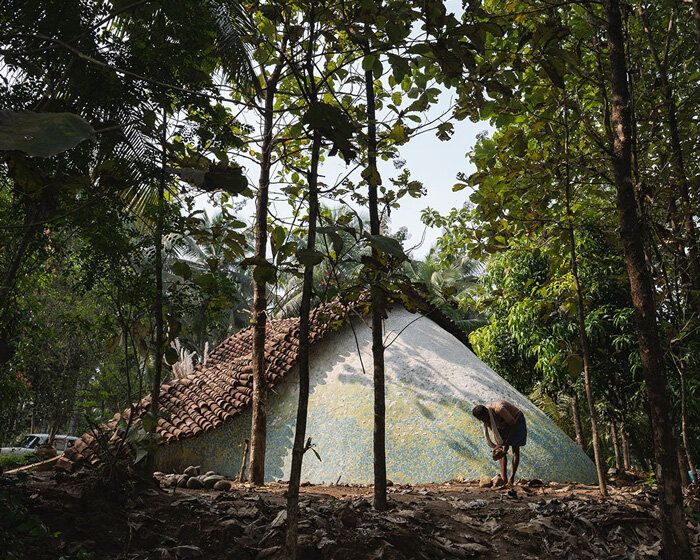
x,y
447,287
335,273
204,260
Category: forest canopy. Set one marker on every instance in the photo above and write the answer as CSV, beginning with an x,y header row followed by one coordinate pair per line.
x,y
165,183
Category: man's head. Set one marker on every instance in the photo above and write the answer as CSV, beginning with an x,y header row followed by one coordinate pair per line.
x,y
480,412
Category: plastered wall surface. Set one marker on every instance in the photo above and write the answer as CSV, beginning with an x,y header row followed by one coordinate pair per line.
x,y
432,383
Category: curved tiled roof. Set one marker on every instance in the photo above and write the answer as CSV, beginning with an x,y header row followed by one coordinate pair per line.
x,y
221,389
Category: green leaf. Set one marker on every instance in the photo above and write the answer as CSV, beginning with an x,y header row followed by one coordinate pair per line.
x,y
170,355
388,245
377,68
206,281
395,31
42,134
181,268
264,272
141,453
574,363
554,74
335,125
149,420
229,179
368,62
337,242
371,175
309,257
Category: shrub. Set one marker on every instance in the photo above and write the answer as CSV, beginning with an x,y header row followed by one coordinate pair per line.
x,y
8,462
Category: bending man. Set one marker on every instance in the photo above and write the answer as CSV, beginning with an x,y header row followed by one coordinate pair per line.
x,y
507,422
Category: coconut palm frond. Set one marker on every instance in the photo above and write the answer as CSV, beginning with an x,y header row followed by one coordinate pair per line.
x,y
469,325
557,412
289,305
234,24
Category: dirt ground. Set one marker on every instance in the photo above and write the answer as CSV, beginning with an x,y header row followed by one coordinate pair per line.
x,y
80,519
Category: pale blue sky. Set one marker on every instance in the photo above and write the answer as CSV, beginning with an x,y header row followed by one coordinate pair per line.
x,y
432,161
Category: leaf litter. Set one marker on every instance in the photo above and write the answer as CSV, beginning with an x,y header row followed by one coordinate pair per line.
x,y
457,520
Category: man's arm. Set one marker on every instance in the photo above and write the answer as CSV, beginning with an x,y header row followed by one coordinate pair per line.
x,y
488,439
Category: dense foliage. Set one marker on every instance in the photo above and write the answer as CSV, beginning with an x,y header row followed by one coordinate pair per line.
x,y
118,118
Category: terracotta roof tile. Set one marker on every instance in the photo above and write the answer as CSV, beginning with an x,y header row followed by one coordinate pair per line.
x,y
221,389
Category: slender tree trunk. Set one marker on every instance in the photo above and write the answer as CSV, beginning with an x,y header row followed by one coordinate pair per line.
x,y
586,353
303,359
576,413
681,178
696,17
585,347
377,303
258,431
638,450
246,448
682,466
616,445
10,277
625,447
675,539
158,353
684,421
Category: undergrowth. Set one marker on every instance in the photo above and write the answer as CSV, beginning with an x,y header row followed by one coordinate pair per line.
x,y
8,462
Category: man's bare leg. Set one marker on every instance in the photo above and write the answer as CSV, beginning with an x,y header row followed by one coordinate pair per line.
x,y
504,466
516,462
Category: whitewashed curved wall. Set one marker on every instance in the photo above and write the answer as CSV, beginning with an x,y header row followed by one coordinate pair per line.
x,y
432,383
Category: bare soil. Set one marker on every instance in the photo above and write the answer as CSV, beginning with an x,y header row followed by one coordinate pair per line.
x,y
452,521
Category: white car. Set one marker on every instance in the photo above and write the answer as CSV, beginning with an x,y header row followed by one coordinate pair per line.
x,y
30,443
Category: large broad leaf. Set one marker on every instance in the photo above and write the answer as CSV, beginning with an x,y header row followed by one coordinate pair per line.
x,y
181,268
388,245
227,178
574,363
42,134
149,420
334,125
309,257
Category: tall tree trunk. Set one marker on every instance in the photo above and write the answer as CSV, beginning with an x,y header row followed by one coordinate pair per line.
x,y
638,449
684,421
30,227
303,359
585,347
258,431
681,178
616,445
682,466
696,17
625,447
675,539
158,354
377,303
576,413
